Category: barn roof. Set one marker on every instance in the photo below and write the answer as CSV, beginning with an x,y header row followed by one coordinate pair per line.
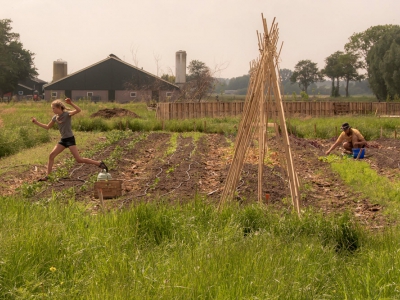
x,y
38,80
111,73
25,87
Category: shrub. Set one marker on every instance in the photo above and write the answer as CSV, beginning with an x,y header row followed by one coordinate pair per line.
x,y
304,95
343,234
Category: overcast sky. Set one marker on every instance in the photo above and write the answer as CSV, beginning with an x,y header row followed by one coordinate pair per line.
x,y
221,33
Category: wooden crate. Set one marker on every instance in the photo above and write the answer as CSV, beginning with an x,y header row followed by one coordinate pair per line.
x,y
109,188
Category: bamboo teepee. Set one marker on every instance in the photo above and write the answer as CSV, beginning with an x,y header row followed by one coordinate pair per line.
x,y
263,94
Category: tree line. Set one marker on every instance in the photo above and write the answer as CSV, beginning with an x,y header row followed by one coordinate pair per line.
x,y
16,63
375,52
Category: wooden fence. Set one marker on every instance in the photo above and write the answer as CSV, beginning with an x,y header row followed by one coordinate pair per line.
x,y
190,110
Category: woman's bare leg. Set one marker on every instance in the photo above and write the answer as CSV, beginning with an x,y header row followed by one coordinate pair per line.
x,y
82,160
56,150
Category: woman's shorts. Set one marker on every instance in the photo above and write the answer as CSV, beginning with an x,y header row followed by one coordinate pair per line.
x,y
67,142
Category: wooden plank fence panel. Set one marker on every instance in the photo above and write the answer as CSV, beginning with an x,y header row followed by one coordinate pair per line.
x,y
188,110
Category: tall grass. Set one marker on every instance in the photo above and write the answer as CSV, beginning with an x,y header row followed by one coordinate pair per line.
x,y
23,137
19,133
54,249
361,178
329,127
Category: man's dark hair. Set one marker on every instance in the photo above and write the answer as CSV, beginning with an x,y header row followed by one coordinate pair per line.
x,y
345,126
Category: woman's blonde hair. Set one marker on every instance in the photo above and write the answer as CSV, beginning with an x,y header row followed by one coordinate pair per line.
x,y
59,104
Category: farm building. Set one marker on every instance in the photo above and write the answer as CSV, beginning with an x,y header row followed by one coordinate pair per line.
x,y
111,79
30,88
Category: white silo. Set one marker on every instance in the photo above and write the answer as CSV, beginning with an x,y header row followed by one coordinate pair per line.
x,y
59,69
180,65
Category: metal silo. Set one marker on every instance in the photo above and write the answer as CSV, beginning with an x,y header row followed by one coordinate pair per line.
x,y
59,69
180,65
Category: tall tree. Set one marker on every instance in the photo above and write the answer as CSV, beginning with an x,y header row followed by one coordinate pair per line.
x,y
350,63
333,71
169,78
342,65
285,75
16,63
305,73
286,85
199,81
237,83
384,65
360,43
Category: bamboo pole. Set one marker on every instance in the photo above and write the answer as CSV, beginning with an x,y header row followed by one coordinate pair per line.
x,y
291,172
263,78
261,146
289,158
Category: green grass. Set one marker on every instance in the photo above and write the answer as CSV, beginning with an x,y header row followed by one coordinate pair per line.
x,y
172,145
55,249
38,155
18,133
361,178
325,128
18,115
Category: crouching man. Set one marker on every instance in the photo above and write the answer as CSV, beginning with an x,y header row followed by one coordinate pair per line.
x,y
350,137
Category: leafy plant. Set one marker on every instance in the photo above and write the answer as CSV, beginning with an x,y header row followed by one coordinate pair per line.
x,y
304,96
343,234
28,190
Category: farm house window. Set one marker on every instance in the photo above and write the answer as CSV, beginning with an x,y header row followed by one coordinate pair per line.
x,y
90,94
20,93
133,94
169,94
53,95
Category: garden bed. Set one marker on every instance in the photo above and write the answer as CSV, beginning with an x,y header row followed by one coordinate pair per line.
x,y
199,167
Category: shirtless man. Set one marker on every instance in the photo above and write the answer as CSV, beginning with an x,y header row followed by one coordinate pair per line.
x,y
350,137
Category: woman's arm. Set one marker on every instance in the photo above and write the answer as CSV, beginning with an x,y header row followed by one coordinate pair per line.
x,y
45,126
77,108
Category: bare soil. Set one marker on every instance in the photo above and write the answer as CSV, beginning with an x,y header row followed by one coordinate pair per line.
x,y
114,112
200,168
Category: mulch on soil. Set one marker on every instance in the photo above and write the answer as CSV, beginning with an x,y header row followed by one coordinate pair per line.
x,y
114,112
